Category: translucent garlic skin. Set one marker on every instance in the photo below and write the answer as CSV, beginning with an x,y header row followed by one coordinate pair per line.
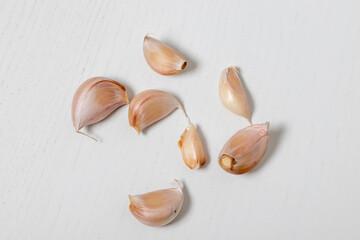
x,y
191,148
95,99
157,208
232,94
162,58
245,149
149,107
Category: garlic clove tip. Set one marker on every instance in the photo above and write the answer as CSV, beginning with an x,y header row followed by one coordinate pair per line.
x,y
137,130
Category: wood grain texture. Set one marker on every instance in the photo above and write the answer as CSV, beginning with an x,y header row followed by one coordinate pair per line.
x,y
300,64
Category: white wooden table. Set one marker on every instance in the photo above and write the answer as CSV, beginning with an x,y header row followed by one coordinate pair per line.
x,y
300,62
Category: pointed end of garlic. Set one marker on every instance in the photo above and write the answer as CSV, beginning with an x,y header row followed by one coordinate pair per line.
x,y
248,118
178,184
77,128
266,126
126,98
233,69
137,130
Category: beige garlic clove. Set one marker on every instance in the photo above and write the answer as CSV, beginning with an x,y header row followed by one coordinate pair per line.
x,y
232,94
191,148
95,99
162,58
244,149
157,208
151,106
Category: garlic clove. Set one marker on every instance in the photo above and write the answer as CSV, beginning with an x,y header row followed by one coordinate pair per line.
x,y
232,94
151,106
162,58
157,208
244,149
95,99
191,148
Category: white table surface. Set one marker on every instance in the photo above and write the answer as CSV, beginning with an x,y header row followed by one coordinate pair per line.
x,y
300,62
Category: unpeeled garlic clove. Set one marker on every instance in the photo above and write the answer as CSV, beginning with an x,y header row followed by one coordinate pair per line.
x,y
232,94
244,149
150,106
191,148
162,58
157,208
95,99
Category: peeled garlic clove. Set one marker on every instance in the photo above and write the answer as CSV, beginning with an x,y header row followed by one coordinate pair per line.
x,y
95,99
162,58
191,148
149,107
157,208
244,149
232,94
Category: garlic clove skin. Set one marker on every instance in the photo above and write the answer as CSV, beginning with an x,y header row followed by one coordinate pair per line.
x,y
191,148
151,106
162,58
95,99
157,208
232,94
245,149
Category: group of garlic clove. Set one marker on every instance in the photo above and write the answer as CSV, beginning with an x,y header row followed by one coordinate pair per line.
x,y
97,97
165,60
244,150
153,105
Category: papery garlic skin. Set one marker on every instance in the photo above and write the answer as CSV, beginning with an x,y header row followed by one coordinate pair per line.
x,y
162,58
95,99
149,107
245,149
192,150
157,208
232,94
